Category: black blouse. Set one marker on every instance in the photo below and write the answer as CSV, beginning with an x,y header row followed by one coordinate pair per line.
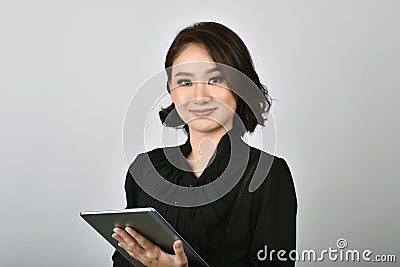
x,y
232,230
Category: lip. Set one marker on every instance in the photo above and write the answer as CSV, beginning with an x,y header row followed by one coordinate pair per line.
x,y
202,112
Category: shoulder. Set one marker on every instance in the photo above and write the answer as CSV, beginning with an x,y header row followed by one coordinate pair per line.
x,y
272,183
269,170
277,164
154,159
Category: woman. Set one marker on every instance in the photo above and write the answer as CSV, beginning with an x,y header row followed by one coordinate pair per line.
x,y
250,216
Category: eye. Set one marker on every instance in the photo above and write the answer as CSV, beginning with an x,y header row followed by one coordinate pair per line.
x,y
184,82
216,80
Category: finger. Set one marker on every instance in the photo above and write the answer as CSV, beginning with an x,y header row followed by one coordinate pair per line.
x,y
124,235
127,241
117,237
142,241
179,251
132,252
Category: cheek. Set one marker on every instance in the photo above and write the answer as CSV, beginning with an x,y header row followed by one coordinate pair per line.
x,y
230,99
177,97
180,102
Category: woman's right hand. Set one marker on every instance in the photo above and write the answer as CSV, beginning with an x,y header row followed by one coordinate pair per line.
x,y
146,252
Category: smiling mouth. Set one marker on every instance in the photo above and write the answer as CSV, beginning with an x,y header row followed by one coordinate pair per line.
x,y
202,112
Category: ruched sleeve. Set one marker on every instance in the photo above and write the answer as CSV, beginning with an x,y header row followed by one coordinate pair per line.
x,y
274,233
117,258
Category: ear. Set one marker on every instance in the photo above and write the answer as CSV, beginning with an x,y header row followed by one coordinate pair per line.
x,y
168,88
237,98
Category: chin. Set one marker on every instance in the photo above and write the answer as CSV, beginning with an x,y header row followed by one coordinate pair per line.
x,y
204,125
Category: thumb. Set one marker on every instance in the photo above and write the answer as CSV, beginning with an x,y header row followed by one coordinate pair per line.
x,y
179,251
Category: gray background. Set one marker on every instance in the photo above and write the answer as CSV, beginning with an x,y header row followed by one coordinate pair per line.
x,y
68,70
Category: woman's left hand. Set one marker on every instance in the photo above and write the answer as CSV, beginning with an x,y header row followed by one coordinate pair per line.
x,y
146,252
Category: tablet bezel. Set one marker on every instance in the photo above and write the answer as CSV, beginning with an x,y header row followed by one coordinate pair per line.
x,y
146,221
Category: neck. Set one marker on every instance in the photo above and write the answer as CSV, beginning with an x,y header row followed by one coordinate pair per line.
x,y
204,143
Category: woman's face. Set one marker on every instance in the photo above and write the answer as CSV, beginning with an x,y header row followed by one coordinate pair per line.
x,y
200,93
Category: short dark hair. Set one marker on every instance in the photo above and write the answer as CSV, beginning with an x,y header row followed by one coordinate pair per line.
x,y
226,47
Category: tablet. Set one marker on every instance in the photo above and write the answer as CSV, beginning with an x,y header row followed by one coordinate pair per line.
x,y
146,221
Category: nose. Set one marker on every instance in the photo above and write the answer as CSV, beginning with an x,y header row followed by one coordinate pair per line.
x,y
201,93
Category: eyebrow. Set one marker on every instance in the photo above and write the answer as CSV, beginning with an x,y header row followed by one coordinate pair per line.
x,y
182,73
